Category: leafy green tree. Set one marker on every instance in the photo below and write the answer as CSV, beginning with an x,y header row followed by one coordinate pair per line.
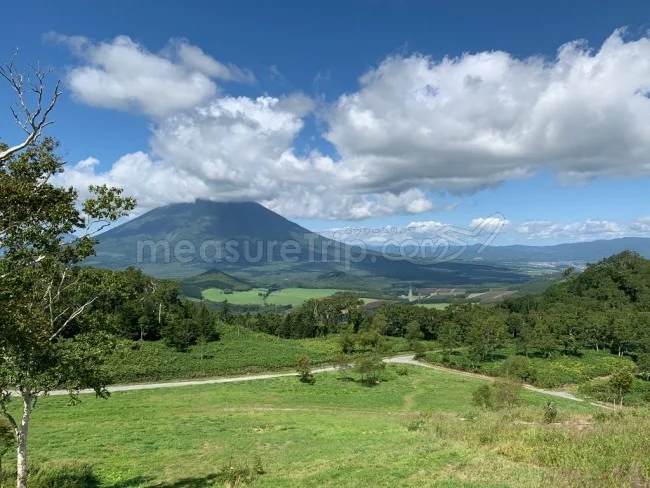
x,y
621,382
303,366
369,369
519,367
347,341
44,341
206,328
643,365
413,332
486,334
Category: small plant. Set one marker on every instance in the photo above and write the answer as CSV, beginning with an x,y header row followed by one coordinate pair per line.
x,y
303,366
402,370
417,422
237,473
550,413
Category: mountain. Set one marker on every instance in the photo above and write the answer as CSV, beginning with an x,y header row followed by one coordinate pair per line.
x,y
250,242
577,252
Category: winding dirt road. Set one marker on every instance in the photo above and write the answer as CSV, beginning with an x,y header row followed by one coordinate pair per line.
x,y
402,359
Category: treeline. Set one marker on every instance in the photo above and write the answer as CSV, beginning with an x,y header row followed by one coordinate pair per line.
x,y
141,308
607,306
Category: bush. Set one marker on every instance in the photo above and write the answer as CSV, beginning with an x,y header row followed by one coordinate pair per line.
x,y
419,349
507,393
238,473
369,369
483,396
550,413
402,370
64,475
7,441
519,367
500,394
303,366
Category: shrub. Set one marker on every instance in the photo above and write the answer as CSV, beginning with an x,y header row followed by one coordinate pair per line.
x,y
519,367
507,393
419,349
500,394
369,369
238,473
482,396
550,413
303,366
64,475
402,370
7,441
621,382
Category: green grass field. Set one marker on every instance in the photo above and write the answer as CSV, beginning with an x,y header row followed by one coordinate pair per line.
x,y
239,351
414,430
286,296
437,306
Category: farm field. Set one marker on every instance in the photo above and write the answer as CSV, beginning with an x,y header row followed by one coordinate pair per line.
x,y
437,306
286,296
415,429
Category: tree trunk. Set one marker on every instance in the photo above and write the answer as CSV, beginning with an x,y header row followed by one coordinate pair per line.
x,y
21,451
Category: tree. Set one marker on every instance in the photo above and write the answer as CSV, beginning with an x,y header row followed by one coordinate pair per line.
x,y
413,333
486,334
369,369
32,120
206,328
643,365
303,366
621,382
43,341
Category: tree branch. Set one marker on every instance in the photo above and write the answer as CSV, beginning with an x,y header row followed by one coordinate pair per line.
x,y
32,122
74,315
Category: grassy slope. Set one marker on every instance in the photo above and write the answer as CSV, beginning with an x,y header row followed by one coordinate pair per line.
x,y
334,433
286,296
550,372
239,351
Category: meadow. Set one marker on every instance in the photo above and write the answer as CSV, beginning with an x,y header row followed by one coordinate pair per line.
x,y
416,428
286,296
238,351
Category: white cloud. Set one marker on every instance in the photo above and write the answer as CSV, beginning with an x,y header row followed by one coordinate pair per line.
x,y
239,149
415,126
466,123
122,74
589,230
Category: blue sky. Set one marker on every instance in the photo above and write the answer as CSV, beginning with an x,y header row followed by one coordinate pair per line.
x,y
403,145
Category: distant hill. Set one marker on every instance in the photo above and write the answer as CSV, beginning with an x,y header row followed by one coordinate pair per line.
x,y
251,243
575,252
585,252
218,279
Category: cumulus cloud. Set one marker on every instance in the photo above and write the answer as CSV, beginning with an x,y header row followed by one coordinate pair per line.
x,y
477,120
415,126
122,74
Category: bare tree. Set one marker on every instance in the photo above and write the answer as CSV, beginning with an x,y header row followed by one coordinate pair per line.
x,y
32,120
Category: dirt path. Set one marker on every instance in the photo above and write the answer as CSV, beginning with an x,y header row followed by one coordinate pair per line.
x,y
402,359
409,398
560,394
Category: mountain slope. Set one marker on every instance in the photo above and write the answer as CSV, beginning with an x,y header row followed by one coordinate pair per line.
x,y
247,240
